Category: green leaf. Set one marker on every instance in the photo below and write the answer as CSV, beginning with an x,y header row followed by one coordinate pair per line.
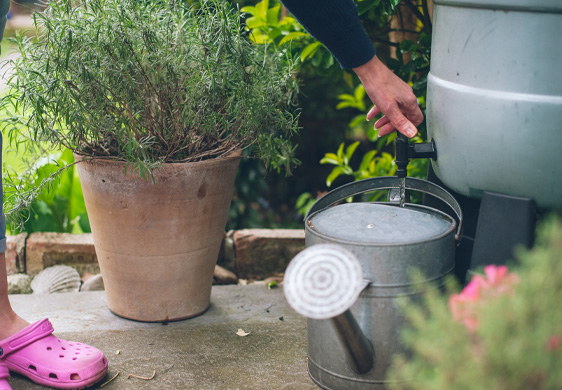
x,y
365,6
274,33
408,45
309,50
249,9
291,36
254,22
261,9
328,60
340,152
350,150
302,199
345,104
346,97
367,158
347,100
360,96
358,120
317,58
390,138
84,223
273,15
372,134
348,78
337,171
330,158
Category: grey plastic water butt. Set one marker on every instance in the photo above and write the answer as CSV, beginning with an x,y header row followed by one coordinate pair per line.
x,y
494,103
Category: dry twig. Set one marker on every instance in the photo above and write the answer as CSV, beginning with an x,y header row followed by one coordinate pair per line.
x,y
115,376
142,377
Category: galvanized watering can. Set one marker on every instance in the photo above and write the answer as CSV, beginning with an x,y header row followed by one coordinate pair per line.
x,y
356,267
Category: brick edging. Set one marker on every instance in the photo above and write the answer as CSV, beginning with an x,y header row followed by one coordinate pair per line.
x,y
249,253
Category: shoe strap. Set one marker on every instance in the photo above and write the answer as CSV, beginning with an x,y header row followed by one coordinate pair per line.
x,y
23,338
4,372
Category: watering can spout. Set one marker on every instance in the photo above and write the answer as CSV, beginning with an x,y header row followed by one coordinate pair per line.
x,y
358,348
322,282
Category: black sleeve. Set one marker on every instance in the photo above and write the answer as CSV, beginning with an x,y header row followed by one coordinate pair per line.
x,y
336,24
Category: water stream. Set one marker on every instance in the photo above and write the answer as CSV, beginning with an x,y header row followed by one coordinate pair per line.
x,y
402,191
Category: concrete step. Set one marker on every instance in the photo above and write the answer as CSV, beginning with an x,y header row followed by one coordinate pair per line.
x,y
200,353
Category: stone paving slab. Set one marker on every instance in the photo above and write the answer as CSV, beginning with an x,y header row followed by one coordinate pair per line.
x,y
199,353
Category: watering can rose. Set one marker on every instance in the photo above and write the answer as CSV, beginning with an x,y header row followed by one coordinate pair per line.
x,y
481,289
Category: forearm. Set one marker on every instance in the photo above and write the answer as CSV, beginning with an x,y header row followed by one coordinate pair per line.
x,y
336,24
4,8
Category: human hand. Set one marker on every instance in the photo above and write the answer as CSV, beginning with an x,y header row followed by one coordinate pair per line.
x,y
391,96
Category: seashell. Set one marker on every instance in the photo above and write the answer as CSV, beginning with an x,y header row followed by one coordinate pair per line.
x,y
58,278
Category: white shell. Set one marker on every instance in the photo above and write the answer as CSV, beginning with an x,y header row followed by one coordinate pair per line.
x,y
58,278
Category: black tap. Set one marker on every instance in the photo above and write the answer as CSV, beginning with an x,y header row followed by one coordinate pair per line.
x,y
405,151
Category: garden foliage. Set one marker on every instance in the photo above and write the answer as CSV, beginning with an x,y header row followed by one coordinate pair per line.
x,y
83,53
503,331
355,158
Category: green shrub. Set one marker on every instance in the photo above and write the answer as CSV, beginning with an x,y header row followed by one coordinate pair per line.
x,y
516,343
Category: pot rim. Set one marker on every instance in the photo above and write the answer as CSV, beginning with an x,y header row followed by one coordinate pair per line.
x,y
79,157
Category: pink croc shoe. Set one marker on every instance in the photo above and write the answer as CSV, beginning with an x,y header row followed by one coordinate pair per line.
x,y
4,375
49,361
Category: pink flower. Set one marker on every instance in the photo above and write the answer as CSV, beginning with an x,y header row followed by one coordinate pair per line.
x,y
465,306
553,343
499,280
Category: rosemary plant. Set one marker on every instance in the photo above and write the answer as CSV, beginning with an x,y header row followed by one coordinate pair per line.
x,y
146,82
151,82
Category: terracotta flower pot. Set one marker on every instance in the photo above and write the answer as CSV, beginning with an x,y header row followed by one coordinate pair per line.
x,y
157,243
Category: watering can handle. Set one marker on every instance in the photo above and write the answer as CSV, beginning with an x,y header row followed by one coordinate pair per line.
x,y
385,183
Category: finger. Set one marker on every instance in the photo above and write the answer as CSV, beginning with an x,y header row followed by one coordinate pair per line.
x,y
373,112
401,123
381,122
386,129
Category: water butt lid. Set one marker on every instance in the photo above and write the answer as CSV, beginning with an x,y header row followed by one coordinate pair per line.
x,y
375,223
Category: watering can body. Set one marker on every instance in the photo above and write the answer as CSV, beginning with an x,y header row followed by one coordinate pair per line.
x,y
388,242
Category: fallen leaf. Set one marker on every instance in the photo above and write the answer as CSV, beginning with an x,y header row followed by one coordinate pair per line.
x,y
241,333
